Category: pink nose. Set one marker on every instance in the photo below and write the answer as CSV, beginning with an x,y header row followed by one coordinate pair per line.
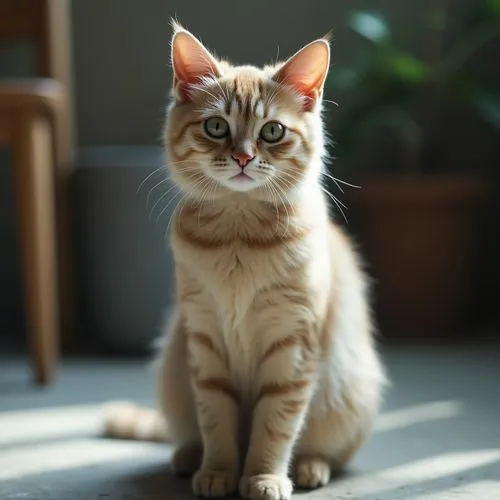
x,y
242,158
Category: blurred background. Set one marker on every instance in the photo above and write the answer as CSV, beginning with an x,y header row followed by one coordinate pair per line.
x,y
412,108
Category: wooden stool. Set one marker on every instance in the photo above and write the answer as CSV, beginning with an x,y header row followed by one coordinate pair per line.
x,y
34,114
28,114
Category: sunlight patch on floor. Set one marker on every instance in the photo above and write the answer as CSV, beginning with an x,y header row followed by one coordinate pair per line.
x,y
480,490
18,427
22,426
418,414
53,439
421,471
71,454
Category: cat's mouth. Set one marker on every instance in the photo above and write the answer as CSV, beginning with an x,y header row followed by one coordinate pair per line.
x,y
241,177
241,182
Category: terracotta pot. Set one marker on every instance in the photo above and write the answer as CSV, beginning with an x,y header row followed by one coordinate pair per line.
x,y
419,238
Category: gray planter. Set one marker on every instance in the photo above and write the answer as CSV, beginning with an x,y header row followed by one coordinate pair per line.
x,y
124,262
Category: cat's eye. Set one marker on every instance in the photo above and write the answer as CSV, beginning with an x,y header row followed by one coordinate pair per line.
x,y
272,132
217,127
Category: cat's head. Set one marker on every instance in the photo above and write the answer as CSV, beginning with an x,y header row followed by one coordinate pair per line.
x,y
244,129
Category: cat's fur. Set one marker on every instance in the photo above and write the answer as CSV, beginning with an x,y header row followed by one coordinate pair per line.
x,y
269,368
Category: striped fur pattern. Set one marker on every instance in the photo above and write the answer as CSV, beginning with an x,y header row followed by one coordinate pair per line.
x,y
268,376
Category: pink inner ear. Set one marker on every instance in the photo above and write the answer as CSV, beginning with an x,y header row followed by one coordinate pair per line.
x,y
306,71
191,61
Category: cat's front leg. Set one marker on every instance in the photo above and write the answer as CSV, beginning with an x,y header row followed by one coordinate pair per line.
x,y
286,378
217,407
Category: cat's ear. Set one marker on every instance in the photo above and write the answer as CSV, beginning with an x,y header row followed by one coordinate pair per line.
x,y
306,71
191,61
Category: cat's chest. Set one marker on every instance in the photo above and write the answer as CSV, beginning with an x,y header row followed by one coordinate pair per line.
x,y
235,269
233,275
231,279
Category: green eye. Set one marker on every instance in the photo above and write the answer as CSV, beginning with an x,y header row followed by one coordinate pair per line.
x,y
272,132
217,127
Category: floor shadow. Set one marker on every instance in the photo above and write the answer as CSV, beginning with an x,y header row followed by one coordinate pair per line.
x,y
156,483
116,480
15,386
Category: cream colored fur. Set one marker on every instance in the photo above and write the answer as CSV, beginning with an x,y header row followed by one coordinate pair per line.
x,y
268,372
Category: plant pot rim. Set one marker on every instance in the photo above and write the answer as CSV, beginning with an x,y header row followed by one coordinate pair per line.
x,y
428,187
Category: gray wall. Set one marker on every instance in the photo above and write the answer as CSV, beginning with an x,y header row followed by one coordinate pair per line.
x,y
122,50
124,261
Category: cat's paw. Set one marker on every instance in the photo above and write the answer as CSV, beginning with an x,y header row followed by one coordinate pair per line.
x,y
310,472
211,483
266,487
186,459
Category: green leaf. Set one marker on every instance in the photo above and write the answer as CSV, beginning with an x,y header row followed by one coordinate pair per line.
x,y
407,67
370,25
488,107
493,6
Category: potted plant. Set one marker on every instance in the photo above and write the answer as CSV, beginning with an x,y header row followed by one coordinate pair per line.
x,y
415,216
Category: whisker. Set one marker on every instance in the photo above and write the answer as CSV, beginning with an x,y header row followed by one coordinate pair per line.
x,y
288,182
334,180
164,166
274,199
179,162
226,96
322,100
346,183
278,190
216,80
291,176
331,102
204,194
337,202
167,205
274,94
326,191
286,202
216,187
148,197
274,193
199,87
173,213
148,177
161,198
205,184
288,185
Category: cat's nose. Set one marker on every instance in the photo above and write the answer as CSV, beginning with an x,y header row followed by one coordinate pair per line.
x,y
242,158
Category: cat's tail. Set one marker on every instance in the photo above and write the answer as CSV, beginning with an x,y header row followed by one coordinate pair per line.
x,y
126,420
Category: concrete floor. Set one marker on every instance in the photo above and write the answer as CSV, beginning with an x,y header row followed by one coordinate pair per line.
x,y
438,437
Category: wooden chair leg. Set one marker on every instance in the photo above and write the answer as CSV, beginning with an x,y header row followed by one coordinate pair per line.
x,y
65,251
34,171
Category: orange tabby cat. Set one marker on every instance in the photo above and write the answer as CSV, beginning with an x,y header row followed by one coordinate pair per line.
x,y
269,368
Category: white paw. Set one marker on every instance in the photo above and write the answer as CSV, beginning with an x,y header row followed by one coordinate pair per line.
x,y
311,472
266,487
210,483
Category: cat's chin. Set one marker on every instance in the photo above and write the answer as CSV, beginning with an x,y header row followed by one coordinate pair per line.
x,y
241,183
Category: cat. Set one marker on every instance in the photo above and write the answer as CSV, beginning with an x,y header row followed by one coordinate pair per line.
x,y
269,375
